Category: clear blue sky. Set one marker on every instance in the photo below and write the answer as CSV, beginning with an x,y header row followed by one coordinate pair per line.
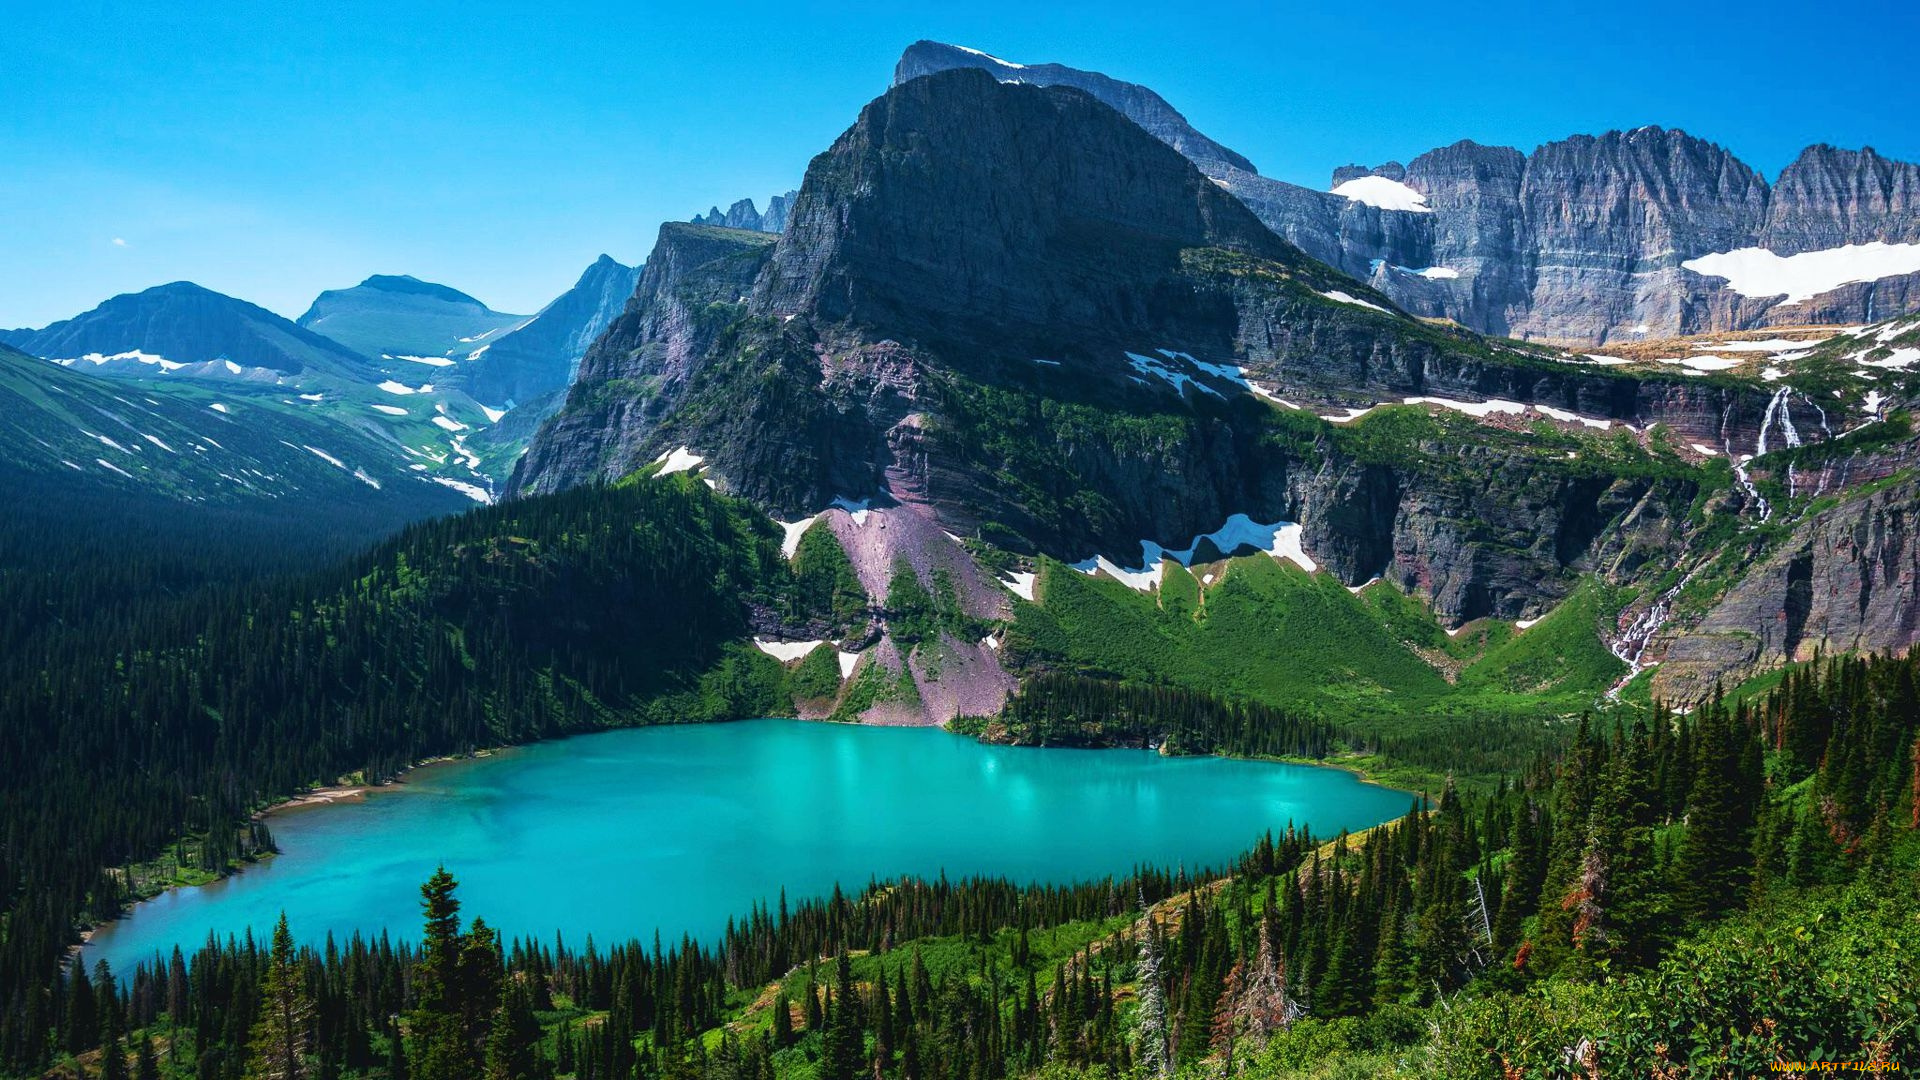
x,y
274,150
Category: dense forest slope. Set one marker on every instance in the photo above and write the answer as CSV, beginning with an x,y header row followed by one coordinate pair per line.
x,y
1023,424
1706,895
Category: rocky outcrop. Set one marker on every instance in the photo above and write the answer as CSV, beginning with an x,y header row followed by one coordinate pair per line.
x,y
743,215
1141,105
1831,197
1848,580
1022,245
1582,241
962,322
1607,221
640,365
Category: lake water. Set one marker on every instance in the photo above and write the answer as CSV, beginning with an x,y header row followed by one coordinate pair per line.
x,y
677,828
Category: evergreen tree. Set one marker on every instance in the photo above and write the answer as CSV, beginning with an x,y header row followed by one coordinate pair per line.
x,y
1715,862
282,1034
843,1051
513,1039
438,1048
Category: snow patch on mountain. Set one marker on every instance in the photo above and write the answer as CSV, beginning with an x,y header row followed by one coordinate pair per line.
x,y
1760,272
472,491
857,509
1384,194
786,651
1281,539
679,459
1345,297
1179,380
792,531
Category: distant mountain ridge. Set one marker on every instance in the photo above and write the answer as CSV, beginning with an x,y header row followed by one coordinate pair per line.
x,y
1585,240
182,324
397,315
198,443
540,356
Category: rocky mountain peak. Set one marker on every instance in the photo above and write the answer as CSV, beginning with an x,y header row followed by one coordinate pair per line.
x,y
1392,170
1830,197
1142,105
1581,241
408,285
744,215
929,167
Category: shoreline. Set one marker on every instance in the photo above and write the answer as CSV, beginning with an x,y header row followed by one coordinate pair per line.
x,y
349,793
332,794
326,795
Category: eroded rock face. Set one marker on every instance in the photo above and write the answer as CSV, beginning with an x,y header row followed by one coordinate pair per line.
x,y
1062,218
1607,220
1829,197
640,365
743,215
1847,581
962,319
1582,241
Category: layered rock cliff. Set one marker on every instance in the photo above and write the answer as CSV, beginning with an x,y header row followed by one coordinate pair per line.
x,y
1011,309
1848,580
1583,241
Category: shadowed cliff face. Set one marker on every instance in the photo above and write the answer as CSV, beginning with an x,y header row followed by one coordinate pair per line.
x,y
1062,219
1010,309
1581,241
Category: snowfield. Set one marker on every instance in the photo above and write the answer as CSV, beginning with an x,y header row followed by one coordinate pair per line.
x,y
1345,297
1385,194
1759,272
1280,540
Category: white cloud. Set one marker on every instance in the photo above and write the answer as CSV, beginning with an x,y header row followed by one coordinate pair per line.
x,y
119,242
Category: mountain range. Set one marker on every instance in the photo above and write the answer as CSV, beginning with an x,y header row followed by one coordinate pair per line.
x,y
187,330
1022,317
1569,487
1649,233
1006,323
424,371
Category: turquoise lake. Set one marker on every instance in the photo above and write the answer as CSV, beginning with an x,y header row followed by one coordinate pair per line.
x,y
677,828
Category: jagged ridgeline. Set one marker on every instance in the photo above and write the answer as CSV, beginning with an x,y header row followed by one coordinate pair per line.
x,y
1592,239
1007,313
